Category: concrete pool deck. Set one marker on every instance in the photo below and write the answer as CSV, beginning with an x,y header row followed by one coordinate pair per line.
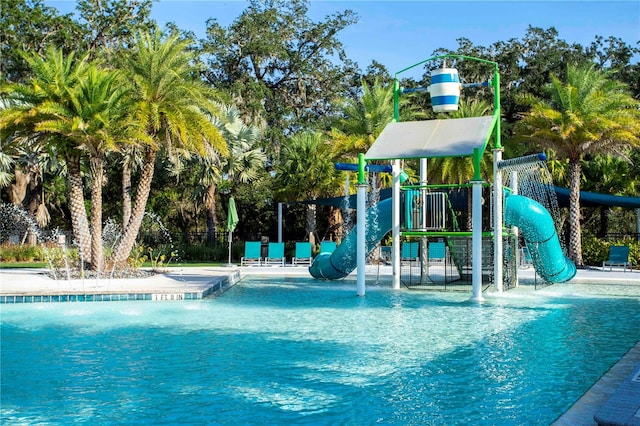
x,y
177,283
191,283
202,281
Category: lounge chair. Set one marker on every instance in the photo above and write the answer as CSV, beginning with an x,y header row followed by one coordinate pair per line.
x,y
303,254
327,246
437,252
409,251
275,255
525,257
618,256
252,254
385,254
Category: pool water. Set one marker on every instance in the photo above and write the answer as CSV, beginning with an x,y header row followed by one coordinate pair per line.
x,y
299,351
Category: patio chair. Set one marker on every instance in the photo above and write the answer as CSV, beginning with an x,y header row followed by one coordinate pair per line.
x,y
303,254
252,254
409,251
275,255
525,257
618,256
327,246
437,252
385,254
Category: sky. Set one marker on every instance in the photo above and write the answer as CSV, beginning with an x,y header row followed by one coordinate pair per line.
x,y
399,34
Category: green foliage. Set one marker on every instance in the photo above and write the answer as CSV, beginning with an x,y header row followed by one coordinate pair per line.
x,y
305,170
281,66
287,74
137,257
596,250
205,253
634,252
31,26
160,257
21,253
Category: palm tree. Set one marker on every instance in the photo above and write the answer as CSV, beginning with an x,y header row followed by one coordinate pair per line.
x,y
33,106
306,172
131,160
84,117
173,107
363,120
243,164
587,115
95,123
460,169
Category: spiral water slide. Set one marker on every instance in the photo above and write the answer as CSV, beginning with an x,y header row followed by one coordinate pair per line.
x,y
539,232
342,261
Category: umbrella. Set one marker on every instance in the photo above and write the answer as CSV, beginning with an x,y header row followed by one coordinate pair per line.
x,y
232,221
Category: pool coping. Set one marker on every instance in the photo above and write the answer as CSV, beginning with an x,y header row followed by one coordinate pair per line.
x,y
610,401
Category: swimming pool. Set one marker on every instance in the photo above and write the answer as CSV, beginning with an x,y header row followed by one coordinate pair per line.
x,y
299,351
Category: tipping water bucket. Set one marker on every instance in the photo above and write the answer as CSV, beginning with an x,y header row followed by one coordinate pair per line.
x,y
445,89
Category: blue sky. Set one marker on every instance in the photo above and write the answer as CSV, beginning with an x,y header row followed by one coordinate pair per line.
x,y
401,33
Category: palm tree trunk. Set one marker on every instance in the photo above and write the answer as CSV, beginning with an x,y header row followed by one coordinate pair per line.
x,y
126,194
18,189
337,230
310,225
142,195
97,167
575,230
79,221
210,206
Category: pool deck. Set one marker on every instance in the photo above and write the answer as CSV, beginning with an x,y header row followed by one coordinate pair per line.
x,y
614,399
34,285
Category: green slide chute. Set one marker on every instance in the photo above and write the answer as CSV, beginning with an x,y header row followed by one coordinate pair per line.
x,y
340,263
539,232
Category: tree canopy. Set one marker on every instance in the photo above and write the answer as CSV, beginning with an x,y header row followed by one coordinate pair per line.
x,y
262,107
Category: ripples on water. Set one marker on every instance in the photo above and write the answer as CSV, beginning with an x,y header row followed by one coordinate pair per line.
x,y
307,352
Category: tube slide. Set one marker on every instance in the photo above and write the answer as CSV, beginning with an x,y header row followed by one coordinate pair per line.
x,y
342,261
537,227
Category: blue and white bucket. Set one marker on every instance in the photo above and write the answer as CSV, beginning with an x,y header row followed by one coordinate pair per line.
x,y
445,89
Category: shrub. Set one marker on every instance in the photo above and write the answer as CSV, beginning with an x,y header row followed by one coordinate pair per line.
x,y
21,253
596,250
204,253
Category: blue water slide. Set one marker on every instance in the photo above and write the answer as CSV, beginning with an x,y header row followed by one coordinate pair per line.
x,y
342,261
539,232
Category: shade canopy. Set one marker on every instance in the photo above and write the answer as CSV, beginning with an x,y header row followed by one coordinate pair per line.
x,y
457,137
594,199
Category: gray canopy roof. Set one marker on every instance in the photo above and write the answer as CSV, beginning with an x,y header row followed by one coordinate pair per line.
x,y
455,137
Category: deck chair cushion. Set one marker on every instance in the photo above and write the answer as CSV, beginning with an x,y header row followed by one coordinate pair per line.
x,y
252,253
437,251
618,256
303,254
275,254
327,246
409,250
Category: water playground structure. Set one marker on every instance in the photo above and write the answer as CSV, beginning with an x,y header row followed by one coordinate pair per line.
x,y
424,216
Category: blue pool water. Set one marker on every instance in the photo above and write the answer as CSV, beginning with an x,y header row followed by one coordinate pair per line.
x,y
298,351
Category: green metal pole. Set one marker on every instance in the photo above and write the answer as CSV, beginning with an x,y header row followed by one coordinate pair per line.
x,y
496,106
361,173
477,160
396,100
